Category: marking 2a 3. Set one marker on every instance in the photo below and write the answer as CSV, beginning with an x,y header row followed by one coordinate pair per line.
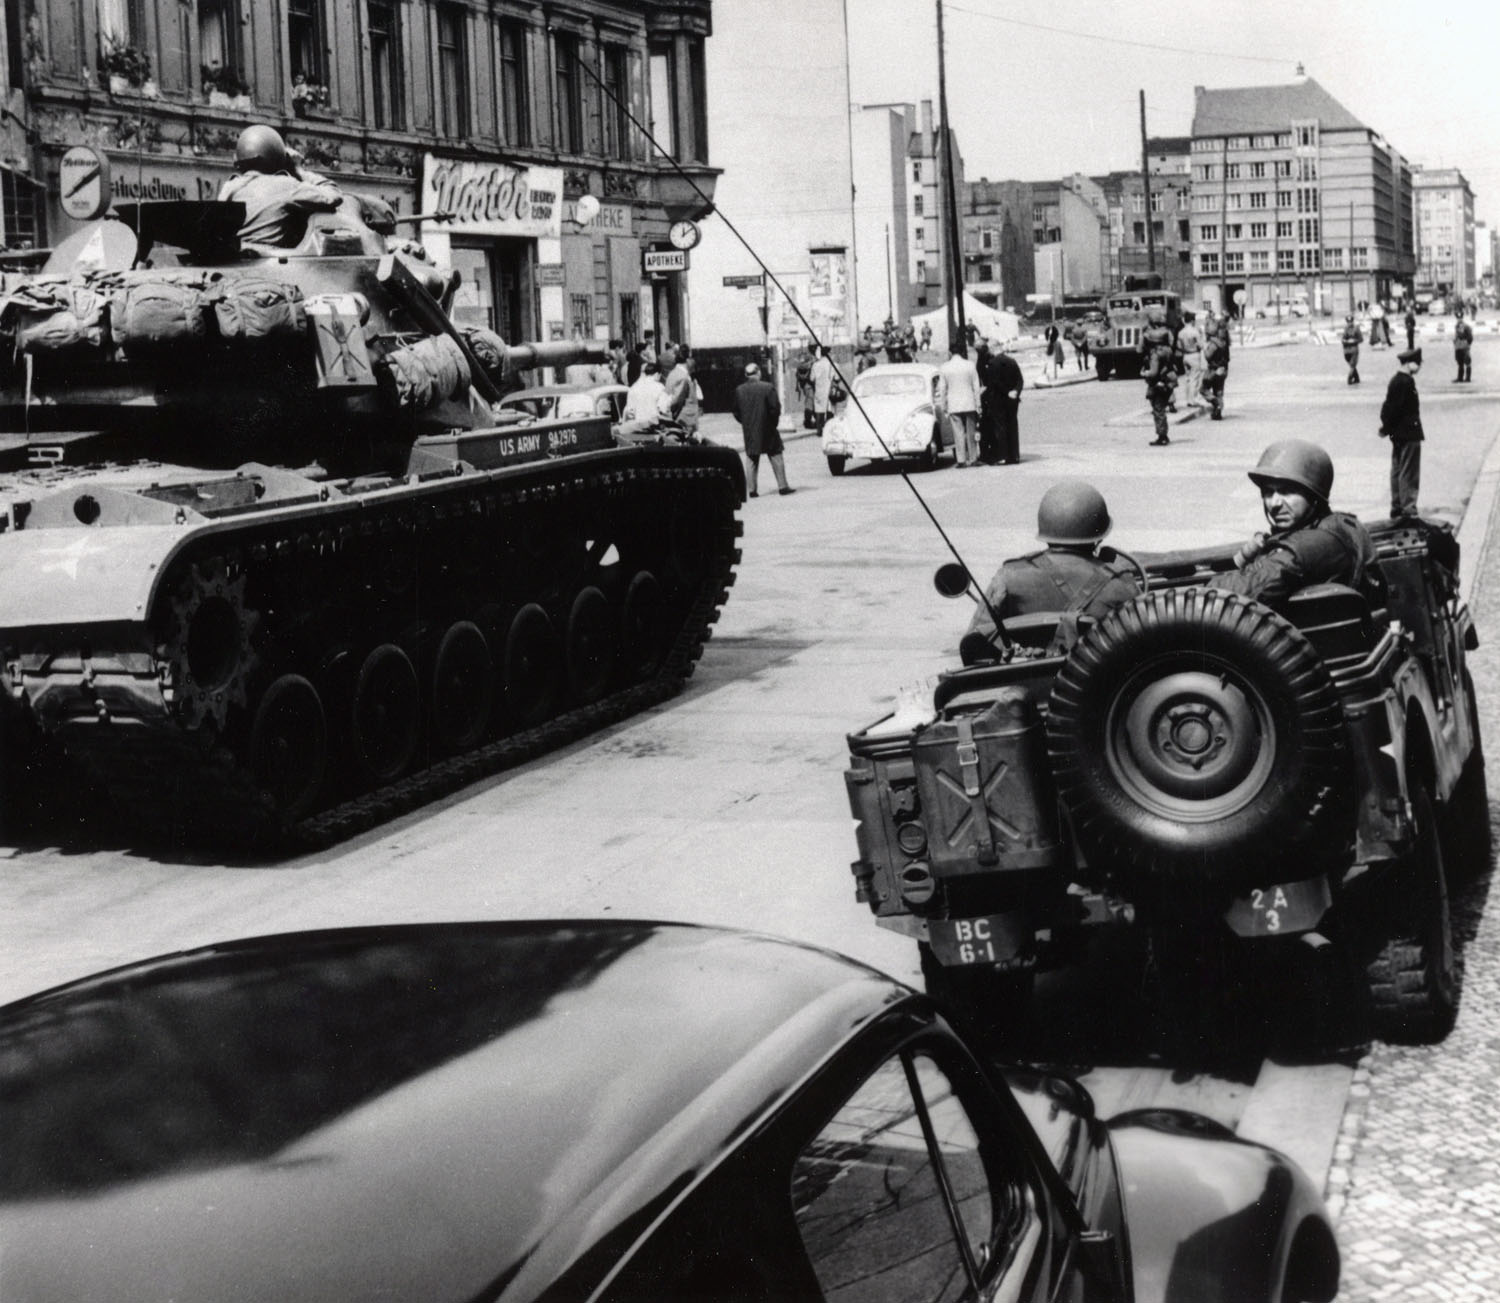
x,y
1280,909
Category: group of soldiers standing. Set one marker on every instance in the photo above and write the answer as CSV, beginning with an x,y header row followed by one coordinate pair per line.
x,y
1200,357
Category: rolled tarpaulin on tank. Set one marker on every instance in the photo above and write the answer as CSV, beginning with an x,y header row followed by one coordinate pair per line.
x,y
259,307
425,373
48,316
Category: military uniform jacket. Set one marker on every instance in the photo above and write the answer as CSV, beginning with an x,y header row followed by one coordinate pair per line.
x,y
1057,580
1334,549
1401,413
1352,338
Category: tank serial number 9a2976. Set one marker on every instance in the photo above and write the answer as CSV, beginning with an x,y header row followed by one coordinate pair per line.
x,y
271,561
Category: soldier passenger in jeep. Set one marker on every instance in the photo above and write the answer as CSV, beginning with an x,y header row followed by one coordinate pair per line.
x,y
1308,543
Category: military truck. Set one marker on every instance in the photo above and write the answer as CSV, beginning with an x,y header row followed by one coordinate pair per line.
x,y
1198,765
1116,345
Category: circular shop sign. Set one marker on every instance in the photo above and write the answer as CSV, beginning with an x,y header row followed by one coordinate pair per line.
x,y
83,183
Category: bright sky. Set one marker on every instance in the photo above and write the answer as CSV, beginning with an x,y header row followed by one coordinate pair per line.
x,y
1033,104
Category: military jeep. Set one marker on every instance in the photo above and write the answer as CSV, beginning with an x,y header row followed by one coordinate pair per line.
x,y
1200,765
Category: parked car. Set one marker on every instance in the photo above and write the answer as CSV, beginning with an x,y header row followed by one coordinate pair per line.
x,y
567,402
592,1110
902,416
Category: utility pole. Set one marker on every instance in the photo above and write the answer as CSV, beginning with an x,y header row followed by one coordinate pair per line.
x,y
1146,185
955,260
890,288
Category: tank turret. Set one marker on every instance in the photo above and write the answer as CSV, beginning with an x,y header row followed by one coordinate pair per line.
x,y
271,559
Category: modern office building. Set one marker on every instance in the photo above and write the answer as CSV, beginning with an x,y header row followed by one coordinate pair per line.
x,y
1294,199
883,211
1445,231
500,117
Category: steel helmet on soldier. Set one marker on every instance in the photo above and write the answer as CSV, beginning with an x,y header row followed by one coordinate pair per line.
x,y
1072,511
261,149
1297,462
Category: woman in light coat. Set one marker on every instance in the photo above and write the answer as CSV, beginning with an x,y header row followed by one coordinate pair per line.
x,y
822,387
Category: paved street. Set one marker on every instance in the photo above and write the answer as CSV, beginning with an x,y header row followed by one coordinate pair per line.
x,y
728,805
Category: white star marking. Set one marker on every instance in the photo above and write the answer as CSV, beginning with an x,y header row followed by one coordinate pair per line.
x,y
68,557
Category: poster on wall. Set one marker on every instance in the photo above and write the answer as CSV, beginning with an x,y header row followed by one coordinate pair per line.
x,y
493,198
828,294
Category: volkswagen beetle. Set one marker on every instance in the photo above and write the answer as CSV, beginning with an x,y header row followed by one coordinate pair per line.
x,y
903,417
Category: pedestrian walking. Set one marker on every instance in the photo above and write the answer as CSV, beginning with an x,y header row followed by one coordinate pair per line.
x,y
1000,402
1401,423
1078,336
926,335
1410,321
1161,383
758,410
1190,351
1052,357
1351,340
961,398
1463,342
1380,327
821,380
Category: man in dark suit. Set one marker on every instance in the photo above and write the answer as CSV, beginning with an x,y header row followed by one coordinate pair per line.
x,y
1001,383
1401,423
758,410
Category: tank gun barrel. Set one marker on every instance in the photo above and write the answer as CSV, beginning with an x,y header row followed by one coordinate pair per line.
x,y
555,352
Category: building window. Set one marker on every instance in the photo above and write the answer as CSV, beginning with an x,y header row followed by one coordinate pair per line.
x,y
986,271
1234,231
1234,262
1257,199
1138,230
304,38
1286,260
1307,260
385,63
1361,257
1182,231
1137,203
1156,202
569,94
1208,232
1283,199
1234,201
515,121
917,237
1260,260
916,204
1307,231
453,69
1333,259
1307,137
664,97
1283,167
122,22
1208,264
1257,170
916,171
1283,230
921,272
1258,230
1205,171
616,96
219,44
1237,142
1205,203
986,240
1283,140
1203,146
1231,171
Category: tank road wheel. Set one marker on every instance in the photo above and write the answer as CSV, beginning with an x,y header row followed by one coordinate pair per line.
x,y
463,688
591,649
1195,735
1414,977
836,463
289,745
643,627
387,713
530,667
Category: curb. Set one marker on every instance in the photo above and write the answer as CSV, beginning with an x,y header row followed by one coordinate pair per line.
x,y
1474,530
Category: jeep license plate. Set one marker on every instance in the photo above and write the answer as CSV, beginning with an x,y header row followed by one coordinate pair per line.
x,y
999,939
1282,909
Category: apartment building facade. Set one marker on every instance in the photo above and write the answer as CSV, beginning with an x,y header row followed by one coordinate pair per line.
x,y
1446,254
1294,200
995,219
496,115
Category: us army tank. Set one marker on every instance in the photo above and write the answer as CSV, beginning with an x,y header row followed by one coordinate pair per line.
x,y
272,563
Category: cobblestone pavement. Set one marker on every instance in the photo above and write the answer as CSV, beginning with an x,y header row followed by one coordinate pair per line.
x,y
1415,1181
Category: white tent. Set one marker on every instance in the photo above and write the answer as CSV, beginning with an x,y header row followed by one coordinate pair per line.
x,y
990,322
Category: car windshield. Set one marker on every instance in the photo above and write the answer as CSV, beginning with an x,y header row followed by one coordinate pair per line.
x,y
572,406
891,386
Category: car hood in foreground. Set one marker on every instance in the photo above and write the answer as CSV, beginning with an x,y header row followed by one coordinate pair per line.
x,y
439,1112
886,413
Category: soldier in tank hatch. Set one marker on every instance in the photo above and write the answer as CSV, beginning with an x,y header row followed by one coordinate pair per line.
x,y
278,196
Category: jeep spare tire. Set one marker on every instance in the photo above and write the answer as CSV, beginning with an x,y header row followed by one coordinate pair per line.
x,y
1196,739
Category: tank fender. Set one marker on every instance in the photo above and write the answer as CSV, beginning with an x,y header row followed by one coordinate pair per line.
x,y
1214,1217
84,575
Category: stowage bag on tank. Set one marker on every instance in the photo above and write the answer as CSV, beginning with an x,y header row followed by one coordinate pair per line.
x,y
47,316
259,307
151,313
427,372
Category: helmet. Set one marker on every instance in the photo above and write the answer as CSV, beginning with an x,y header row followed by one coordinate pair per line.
x,y
261,149
1298,462
1072,511
1350,317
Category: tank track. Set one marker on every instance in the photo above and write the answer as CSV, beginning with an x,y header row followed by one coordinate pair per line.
x,y
181,777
